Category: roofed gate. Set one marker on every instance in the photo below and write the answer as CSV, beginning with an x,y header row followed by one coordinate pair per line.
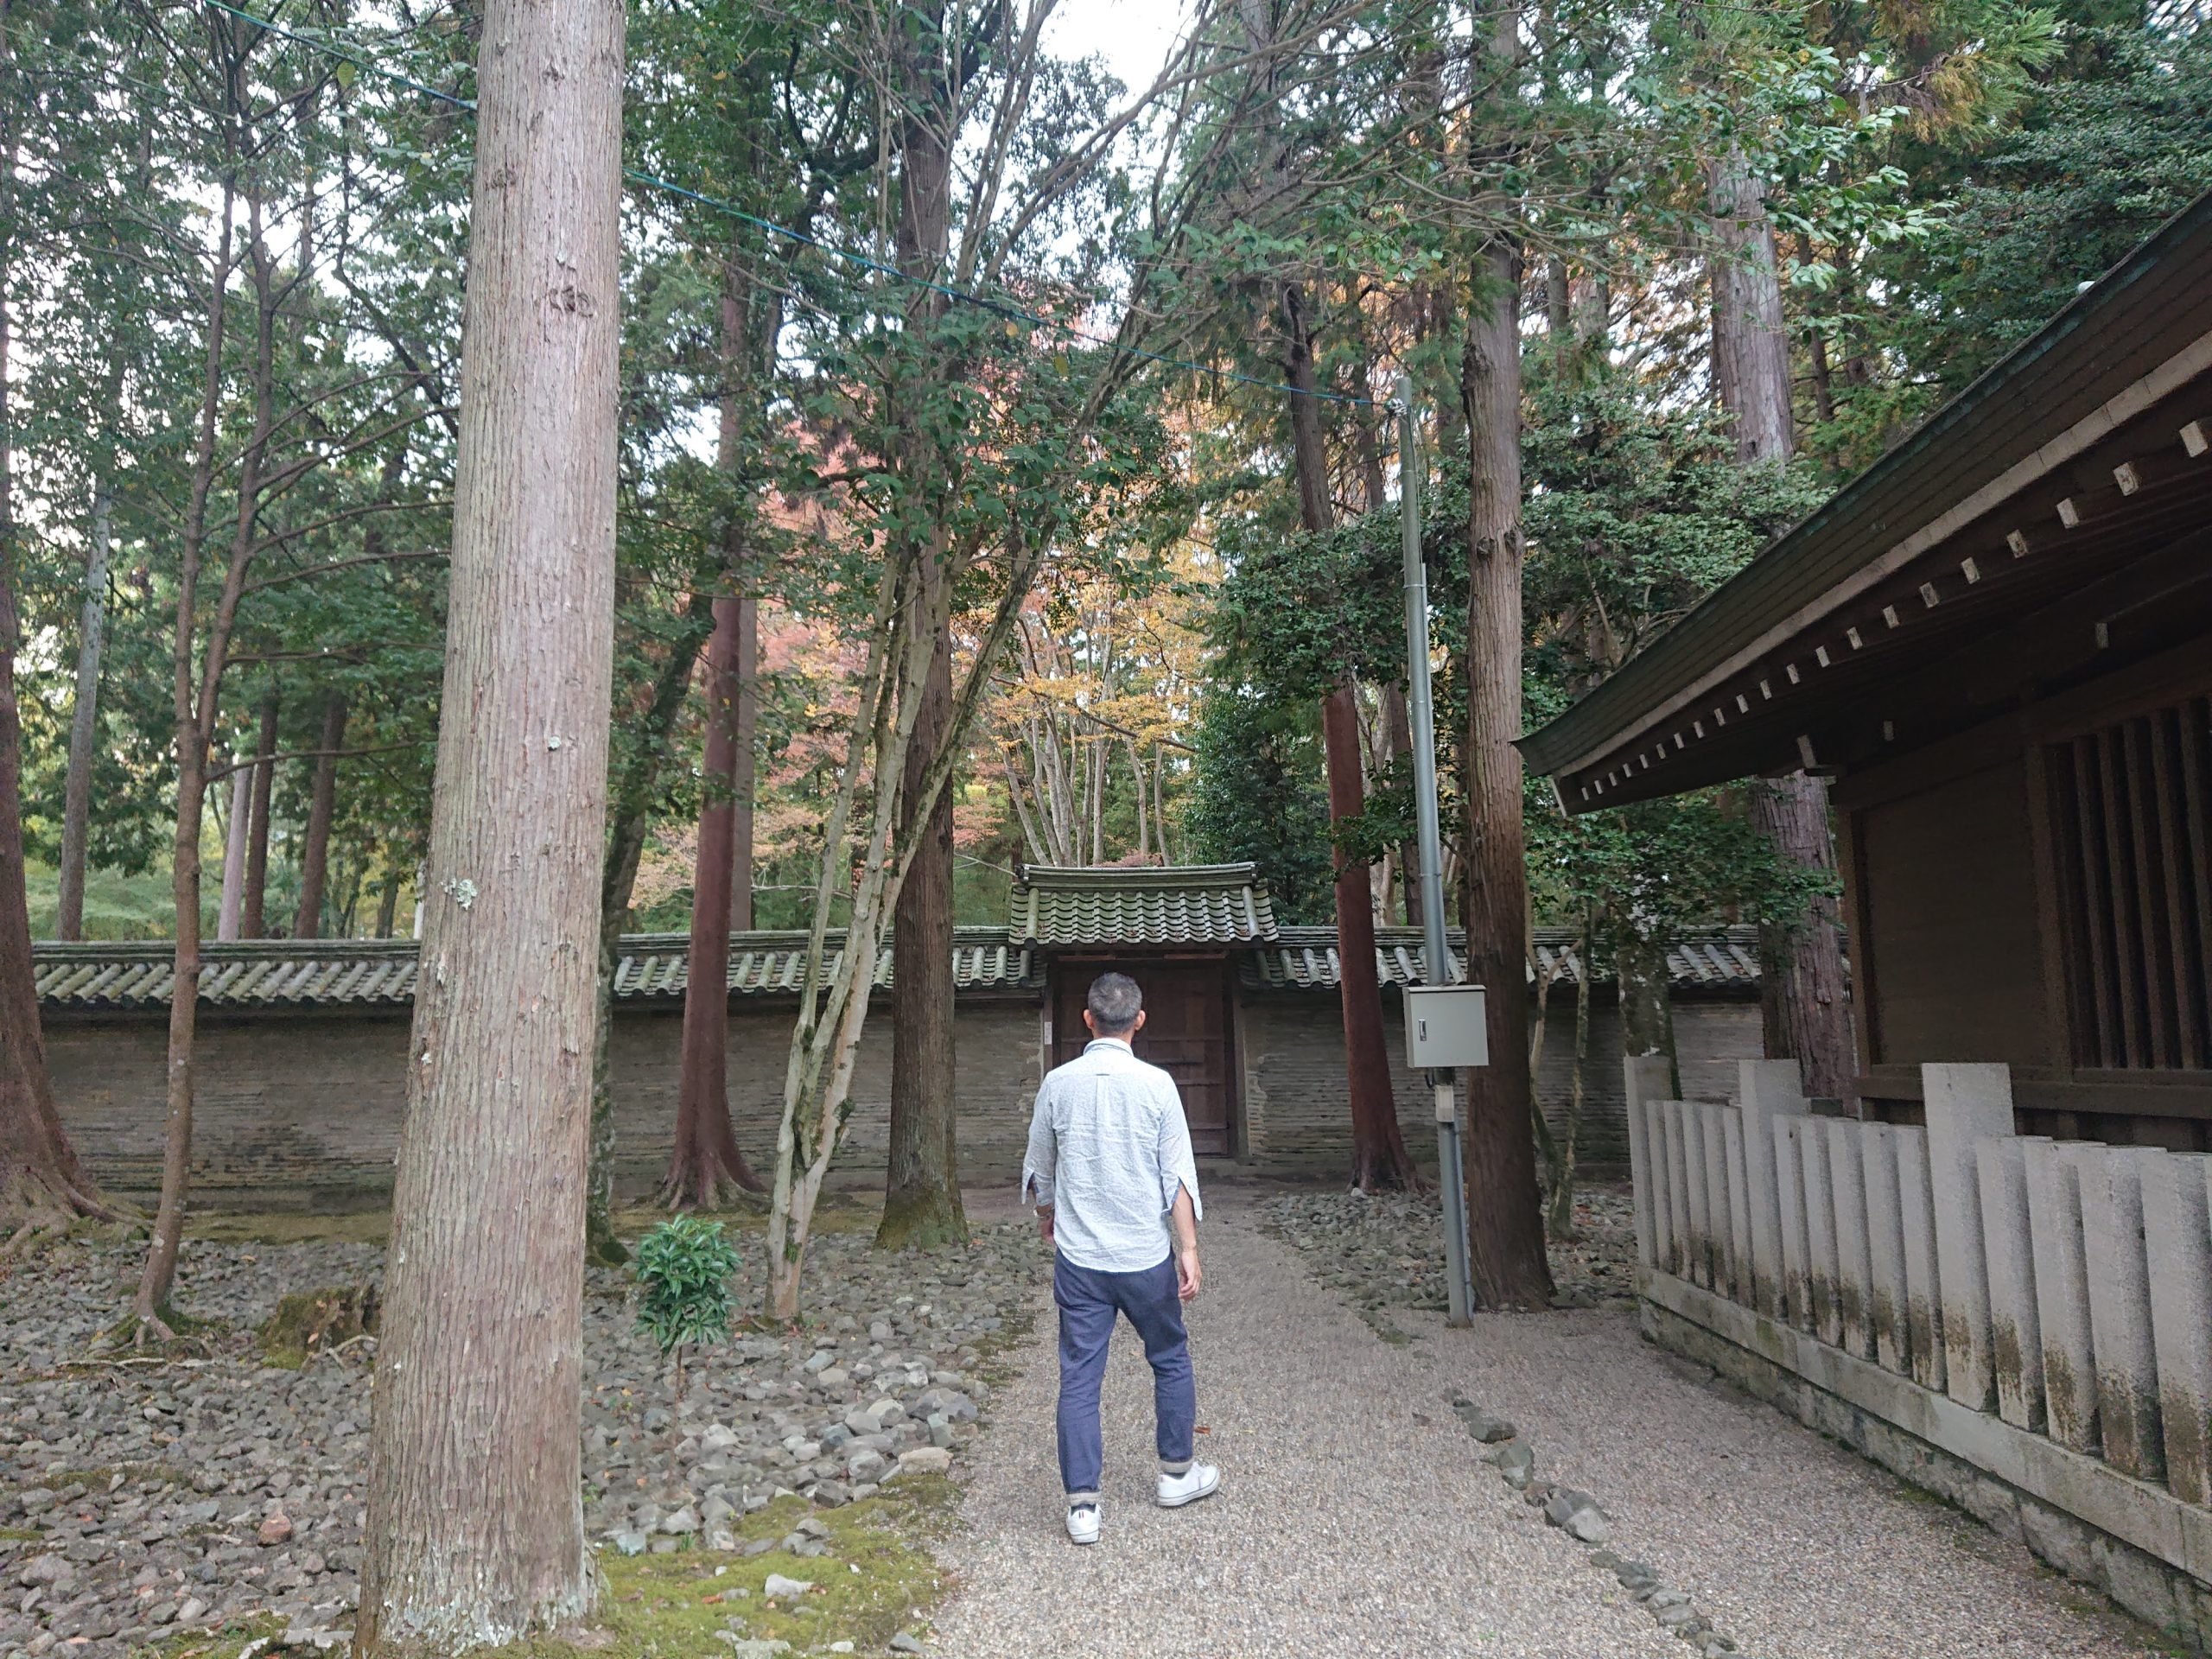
x,y
1172,930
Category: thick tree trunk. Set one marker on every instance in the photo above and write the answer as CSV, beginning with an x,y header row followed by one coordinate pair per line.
x,y
234,830
1379,1158
1800,958
922,1203
322,806
706,1156
252,924
922,1206
1505,1221
40,1182
1804,1013
474,1533
84,722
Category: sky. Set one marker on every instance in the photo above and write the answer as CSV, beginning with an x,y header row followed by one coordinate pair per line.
x,y
1132,35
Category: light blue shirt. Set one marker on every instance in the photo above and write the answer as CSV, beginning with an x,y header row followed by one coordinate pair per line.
x,y
1108,1150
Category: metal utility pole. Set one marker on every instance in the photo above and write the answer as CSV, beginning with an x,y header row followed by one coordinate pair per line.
x,y
1436,955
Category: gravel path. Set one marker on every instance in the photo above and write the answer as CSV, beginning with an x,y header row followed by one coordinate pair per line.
x,y
1354,1516
1358,1517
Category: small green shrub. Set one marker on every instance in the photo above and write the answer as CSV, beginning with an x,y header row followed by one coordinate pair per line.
x,y
683,1269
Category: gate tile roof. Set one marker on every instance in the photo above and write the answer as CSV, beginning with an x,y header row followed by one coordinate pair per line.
x,y
1115,906
1304,958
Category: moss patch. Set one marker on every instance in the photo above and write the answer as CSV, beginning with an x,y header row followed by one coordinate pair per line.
x,y
670,1606
356,1227
316,1321
227,1642
20,1534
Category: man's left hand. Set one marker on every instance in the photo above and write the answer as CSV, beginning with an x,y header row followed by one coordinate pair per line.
x,y
1186,1272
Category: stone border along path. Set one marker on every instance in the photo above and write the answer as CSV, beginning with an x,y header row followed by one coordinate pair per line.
x,y
1357,1515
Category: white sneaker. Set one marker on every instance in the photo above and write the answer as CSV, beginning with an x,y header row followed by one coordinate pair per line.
x,y
1082,1522
1199,1480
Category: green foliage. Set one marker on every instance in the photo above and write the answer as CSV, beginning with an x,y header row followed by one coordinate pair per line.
x,y
683,1269
1257,795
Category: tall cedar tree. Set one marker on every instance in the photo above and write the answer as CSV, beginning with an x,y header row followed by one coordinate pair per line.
x,y
474,1533
1379,1155
921,1199
1801,959
40,1181
1506,1218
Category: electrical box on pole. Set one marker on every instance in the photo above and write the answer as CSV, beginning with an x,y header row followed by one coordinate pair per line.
x,y
1446,1027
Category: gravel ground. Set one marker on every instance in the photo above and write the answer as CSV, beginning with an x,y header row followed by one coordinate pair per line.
x,y
143,1500
1357,1515
1354,1515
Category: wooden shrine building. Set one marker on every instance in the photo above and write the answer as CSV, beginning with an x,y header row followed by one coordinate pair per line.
x,y
1997,642
1994,1271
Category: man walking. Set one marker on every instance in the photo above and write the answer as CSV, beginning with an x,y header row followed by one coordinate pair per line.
x,y
1110,1172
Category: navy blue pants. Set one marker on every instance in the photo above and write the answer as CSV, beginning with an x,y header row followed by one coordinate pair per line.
x,y
1088,1303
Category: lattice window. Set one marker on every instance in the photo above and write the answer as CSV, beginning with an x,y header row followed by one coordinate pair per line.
x,y
2133,812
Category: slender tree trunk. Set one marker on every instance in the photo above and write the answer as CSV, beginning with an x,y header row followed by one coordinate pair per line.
x,y
706,1156
1506,1225
629,816
922,1206
740,352
252,924
195,710
744,771
322,805
1559,1210
234,827
85,721
1801,991
1646,1000
474,1533
1378,1150
42,1184
1379,1157
388,903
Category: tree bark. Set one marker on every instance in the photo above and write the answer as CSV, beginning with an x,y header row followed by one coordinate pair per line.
x,y
744,766
629,815
706,1156
40,1182
322,805
251,922
1804,1015
234,828
1800,958
474,1533
1505,1220
922,1206
84,722
1647,1008
388,903
1379,1158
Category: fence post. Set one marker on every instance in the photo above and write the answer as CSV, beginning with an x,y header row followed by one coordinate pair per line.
x,y
2120,1307
1878,1152
2069,1364
2178,1238
1789,1133
1965,1104
1644,1081
1854,1268
1770,1090
1923,1282
2016,1330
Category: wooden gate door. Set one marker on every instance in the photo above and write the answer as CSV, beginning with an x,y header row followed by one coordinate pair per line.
x,y
1186,1033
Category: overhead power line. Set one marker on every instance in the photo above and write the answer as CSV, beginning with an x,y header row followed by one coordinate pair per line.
x,y
1001,308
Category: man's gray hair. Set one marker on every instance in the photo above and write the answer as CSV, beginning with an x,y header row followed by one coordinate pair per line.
x,y
1115,1002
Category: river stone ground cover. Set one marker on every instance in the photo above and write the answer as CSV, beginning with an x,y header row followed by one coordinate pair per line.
x,y
195,1504
1387,1250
